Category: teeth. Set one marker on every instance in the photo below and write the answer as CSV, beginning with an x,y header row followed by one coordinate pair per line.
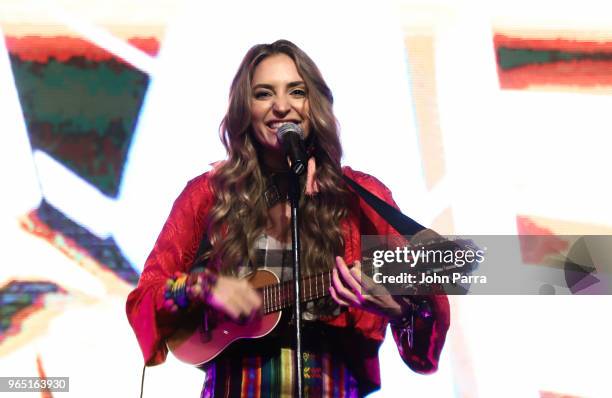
x,y
276,125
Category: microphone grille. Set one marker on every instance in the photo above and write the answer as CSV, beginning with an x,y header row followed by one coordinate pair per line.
x,y
289,128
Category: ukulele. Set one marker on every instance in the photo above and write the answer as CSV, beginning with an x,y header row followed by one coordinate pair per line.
x,y
197,344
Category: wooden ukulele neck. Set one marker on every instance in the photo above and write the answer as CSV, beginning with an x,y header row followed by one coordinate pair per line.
x,y
280,296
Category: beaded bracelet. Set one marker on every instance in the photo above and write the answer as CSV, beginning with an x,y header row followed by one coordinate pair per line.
x,y
405,324
183,289
407,320
200,285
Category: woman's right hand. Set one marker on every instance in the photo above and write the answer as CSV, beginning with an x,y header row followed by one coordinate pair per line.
x,y
235,298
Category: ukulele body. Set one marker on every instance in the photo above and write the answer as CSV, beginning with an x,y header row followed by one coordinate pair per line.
x,y
198,344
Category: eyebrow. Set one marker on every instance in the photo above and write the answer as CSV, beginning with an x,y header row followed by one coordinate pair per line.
x,y
271,87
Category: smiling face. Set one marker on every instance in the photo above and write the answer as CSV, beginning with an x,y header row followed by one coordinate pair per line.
x,y
278,96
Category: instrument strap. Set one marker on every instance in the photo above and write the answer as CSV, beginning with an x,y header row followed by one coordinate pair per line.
x,y
398,220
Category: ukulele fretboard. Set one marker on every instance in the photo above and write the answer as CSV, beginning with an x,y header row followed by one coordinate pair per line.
x,y
280,296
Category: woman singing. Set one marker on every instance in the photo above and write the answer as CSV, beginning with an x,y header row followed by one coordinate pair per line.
x,y
237,218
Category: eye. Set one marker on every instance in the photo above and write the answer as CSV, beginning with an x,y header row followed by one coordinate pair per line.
x,y
298,92
261,94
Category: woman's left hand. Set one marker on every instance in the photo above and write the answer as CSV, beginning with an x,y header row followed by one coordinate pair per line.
x,y
351,287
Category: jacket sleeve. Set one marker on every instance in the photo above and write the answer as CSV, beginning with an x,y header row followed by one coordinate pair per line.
x,y
429,334
174,251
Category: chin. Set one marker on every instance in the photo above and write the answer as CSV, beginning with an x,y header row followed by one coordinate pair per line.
x,y
271,143
275,146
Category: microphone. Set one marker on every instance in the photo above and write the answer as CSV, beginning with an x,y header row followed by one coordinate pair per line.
x,y
291,138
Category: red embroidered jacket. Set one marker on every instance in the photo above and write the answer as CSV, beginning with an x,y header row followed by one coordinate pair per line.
x,y
178,243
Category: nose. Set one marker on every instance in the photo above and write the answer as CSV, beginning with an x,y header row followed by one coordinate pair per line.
x,y
281,105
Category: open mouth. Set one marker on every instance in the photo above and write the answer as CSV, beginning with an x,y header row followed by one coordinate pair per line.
x,y
275,124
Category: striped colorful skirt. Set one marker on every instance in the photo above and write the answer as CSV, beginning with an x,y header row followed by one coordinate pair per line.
x,y
265,368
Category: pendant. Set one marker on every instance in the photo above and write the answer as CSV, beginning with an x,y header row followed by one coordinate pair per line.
x,y
272,195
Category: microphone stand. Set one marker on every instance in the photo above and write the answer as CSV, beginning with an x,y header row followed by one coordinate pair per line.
x,y
294,199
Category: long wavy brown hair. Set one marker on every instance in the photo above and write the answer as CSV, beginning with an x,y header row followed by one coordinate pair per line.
x,y
240,213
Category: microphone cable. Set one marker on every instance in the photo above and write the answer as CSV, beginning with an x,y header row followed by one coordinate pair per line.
x,y
142,380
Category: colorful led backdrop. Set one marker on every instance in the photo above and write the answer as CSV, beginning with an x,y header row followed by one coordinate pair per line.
x,y
494,112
